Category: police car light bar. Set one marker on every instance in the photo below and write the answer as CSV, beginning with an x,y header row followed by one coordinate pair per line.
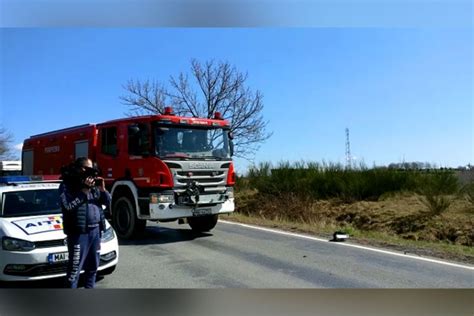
x,y
20,179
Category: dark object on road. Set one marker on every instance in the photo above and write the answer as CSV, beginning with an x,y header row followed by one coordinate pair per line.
x,y
339,236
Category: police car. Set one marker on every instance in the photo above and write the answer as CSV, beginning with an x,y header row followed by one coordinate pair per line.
x,y
31,232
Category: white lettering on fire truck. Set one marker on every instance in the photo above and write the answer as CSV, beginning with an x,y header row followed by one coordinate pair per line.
x,y
52,149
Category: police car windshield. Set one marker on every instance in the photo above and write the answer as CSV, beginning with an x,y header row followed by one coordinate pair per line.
x,y
193,143
30,203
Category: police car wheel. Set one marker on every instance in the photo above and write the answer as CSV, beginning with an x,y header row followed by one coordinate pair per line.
x,y
124,219
203,223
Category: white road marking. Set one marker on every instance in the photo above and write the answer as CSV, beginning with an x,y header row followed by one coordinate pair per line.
x,y
281,232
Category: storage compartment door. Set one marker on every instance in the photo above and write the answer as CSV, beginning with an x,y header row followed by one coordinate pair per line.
x,y
27,162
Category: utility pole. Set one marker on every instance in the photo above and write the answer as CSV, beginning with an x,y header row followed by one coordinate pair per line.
x,y
348,151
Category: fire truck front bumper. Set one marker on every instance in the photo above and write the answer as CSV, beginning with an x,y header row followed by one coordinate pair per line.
x,y
169,211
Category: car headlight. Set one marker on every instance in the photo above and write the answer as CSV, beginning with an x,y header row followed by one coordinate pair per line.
x,y
14,244
108,235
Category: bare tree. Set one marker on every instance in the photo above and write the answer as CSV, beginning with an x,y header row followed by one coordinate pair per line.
x,y
5,144
213,87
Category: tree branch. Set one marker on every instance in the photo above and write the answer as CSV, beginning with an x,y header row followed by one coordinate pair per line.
x,y
222,88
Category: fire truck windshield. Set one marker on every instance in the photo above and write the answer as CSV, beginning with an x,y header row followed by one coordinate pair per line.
x,y
192,142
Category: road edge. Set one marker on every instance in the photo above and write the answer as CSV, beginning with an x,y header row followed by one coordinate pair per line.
x,y
349,244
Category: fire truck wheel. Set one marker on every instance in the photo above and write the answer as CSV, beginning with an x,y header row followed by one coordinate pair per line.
x,y
203,223
124,219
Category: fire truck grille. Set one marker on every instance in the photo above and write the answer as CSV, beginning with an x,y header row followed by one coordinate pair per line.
x,y
202,173
207,178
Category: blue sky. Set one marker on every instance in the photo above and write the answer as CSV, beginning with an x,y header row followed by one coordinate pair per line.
x,y
405,94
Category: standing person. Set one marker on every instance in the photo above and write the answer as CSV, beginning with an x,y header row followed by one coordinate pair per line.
x,y
82,195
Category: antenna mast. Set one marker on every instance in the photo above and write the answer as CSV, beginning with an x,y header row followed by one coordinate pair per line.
x,y
348,151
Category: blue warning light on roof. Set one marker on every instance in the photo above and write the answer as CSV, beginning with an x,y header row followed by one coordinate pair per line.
x,y
16,179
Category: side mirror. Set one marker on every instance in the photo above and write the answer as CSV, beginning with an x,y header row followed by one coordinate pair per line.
x,y
231,146
133,129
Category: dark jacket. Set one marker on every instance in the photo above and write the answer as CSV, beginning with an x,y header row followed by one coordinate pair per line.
x,y
77,207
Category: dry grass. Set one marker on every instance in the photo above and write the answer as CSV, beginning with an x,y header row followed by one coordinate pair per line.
x,y
395,220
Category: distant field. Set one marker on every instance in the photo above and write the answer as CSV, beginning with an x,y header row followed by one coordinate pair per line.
x,y
430,213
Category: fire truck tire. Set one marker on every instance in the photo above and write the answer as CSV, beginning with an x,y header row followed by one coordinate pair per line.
x,y
124,219
203,223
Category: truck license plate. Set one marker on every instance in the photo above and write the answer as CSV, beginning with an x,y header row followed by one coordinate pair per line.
x,y
202,212
58,257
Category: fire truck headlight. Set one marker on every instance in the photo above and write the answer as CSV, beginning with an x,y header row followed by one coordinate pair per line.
x,y
13,244
159,198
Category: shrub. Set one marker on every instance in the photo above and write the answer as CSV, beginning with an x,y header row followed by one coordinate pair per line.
x,y
434,190
330,180
468,191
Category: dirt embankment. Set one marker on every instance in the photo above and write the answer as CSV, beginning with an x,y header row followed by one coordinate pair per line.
x,y
396,220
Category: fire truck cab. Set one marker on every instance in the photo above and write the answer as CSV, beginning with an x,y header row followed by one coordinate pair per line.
x,y
157,167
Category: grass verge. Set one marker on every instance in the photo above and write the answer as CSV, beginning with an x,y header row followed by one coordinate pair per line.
x,y
396,221
440,250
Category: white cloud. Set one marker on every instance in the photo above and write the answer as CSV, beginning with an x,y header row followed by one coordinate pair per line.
x,y
18,147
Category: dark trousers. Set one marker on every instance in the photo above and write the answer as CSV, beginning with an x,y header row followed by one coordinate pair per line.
x,y
84,254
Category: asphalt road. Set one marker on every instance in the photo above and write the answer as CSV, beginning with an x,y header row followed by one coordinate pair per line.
x,y
232,256
170,256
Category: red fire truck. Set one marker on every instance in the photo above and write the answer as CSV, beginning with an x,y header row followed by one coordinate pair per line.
x,y
157,167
